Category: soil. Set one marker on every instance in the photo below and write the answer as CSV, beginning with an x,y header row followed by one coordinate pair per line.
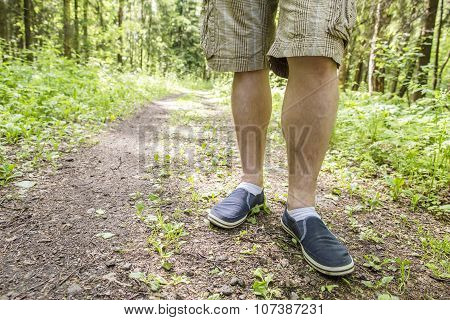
x,y
51,247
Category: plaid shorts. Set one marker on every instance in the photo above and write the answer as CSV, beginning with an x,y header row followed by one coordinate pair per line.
x,y
240,35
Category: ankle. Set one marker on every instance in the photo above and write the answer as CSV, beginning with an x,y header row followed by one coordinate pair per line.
x,y
256,180
300,201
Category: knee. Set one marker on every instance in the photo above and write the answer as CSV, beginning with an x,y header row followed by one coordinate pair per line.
x,y
251,76
321,67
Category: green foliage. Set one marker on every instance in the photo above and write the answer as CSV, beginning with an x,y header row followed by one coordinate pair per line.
x,y
375,262
436,254
154,282
409,145
52,105
404,270
328,288
386,296
262,285
384,281
6,172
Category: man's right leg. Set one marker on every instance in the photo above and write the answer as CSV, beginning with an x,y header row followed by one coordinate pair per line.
x,y
236,36
251,102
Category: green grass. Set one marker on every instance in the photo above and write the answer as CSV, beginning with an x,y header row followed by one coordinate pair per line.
x,y
166,236
50,106
436,254
263,285
405,148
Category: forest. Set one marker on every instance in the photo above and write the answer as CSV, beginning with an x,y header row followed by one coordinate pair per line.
x,y
398,47
81,79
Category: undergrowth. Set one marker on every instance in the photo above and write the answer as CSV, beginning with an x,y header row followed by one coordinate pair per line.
x,y
51,105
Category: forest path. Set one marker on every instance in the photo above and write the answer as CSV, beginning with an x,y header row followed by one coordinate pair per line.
x,y
89,229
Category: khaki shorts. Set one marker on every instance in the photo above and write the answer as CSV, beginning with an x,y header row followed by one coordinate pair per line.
x,y
240,35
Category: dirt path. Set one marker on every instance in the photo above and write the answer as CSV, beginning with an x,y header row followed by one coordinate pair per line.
x,y
89,229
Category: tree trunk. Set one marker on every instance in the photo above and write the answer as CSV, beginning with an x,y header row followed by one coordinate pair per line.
x,y
373,44
395,81
141,35
343,70
379,80
149,36
343,77
425,47
66,29
407,81
4,20
76,28
119,24
85,30
358,76
438,43
27,27
16,11
444,65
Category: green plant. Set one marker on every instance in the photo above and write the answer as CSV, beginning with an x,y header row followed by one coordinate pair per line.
x,y
369,234
384,281
375,263
386,296
396,186
152,197
257,210
415,199
177,279
214,296
6,173
140,207
404,270
373,202
436,255
254,248
262,285
328,288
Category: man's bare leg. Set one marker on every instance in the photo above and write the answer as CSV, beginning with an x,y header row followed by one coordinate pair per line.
x,y
251,103
309,113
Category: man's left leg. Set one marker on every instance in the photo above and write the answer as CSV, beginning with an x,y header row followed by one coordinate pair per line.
x,y
308,116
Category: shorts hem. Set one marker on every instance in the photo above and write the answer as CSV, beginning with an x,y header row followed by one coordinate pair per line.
x,y
237,64
330,46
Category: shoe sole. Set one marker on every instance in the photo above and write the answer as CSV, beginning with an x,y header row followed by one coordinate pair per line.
x,y
331,271
224,224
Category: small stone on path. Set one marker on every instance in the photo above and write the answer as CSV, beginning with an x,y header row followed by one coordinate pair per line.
x,y
74,289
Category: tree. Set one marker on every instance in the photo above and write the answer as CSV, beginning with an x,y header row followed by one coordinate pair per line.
x,y
67,29
4,20
425,47
27,27
373,44
76,37
85,30
119,24
438,44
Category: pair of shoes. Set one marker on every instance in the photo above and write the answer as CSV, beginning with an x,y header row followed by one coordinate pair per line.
x,y
321,249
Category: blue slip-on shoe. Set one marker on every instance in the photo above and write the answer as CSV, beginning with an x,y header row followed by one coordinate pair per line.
x,y
234,209
321,249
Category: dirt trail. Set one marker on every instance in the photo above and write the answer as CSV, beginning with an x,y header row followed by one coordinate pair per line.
x,y
75,234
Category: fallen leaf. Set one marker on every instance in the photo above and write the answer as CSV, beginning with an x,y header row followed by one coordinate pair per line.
x,y
105,235
136,275
25,184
